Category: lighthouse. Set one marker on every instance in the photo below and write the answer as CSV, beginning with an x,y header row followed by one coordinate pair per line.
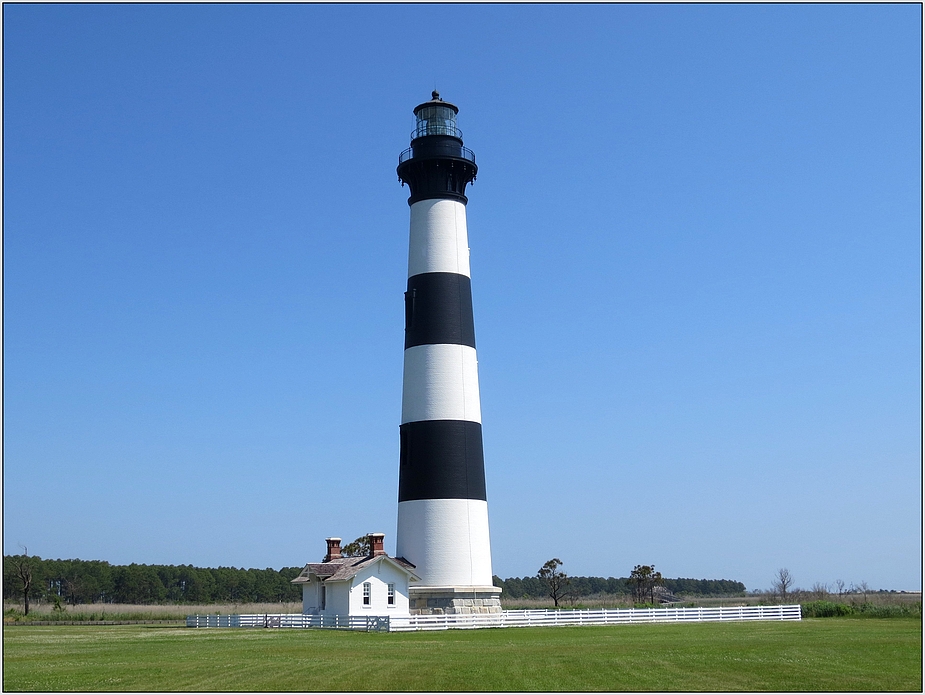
x,y
442,505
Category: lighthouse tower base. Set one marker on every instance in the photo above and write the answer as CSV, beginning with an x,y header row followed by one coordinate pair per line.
x,y
454,600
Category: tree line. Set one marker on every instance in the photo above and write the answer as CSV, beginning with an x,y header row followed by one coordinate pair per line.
x,y
96,581
535,587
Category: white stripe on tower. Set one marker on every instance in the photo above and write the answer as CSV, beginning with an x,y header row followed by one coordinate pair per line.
x,y
441,383
454,550
439,238
442,510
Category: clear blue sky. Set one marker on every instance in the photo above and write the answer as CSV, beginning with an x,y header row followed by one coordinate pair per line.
x,y
696,248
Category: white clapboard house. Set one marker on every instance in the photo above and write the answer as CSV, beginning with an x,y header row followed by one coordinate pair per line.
x,y
355,586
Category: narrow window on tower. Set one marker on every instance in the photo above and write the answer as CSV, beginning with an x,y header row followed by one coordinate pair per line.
x,y
367,593
404,448
391,594
409,309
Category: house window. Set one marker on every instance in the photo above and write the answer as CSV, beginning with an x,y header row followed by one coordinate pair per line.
x,y
391,594
367,591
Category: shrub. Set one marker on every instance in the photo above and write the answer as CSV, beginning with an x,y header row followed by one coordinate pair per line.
x,y
825,609
910,610
12,614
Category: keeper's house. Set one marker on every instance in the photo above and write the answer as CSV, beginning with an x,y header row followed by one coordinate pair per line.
x,y
373,585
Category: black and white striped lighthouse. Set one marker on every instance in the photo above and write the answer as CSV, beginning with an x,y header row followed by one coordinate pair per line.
x,y
442,506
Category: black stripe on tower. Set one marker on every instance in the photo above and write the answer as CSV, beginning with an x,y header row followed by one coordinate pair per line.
x,y
438,310
437,166
441,459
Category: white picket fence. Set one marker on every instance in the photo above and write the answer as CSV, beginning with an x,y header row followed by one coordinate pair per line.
x,y
552,618
527,618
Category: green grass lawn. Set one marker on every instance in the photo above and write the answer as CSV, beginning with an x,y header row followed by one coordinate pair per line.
x,y
821,654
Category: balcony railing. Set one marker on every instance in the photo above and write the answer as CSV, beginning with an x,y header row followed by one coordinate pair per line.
x,y
464,152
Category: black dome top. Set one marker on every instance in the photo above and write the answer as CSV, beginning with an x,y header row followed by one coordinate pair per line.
x,y
435,100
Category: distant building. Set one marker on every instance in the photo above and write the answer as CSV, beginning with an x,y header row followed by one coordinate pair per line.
x,y
662,595
372,585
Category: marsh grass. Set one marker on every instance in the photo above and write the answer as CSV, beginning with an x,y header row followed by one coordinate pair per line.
x,y
593,601
877,604
90,612
830,609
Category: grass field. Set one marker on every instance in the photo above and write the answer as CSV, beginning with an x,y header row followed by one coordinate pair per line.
x,y
823,654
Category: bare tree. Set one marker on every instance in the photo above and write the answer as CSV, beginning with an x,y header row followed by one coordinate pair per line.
x,y
783,580
557,582
839,587
852,589
820,591
864,589
24,572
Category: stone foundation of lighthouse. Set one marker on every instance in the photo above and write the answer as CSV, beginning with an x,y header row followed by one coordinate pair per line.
x,y
443,508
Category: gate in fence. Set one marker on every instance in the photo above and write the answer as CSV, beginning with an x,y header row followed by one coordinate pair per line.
x,y
365,623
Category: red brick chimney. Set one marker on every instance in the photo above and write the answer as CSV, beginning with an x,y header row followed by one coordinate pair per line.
x,y
375,543
333,549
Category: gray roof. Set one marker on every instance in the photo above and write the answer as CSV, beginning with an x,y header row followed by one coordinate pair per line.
x,y
343,568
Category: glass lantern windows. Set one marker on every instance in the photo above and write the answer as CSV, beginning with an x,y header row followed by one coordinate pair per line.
x,y
436,120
